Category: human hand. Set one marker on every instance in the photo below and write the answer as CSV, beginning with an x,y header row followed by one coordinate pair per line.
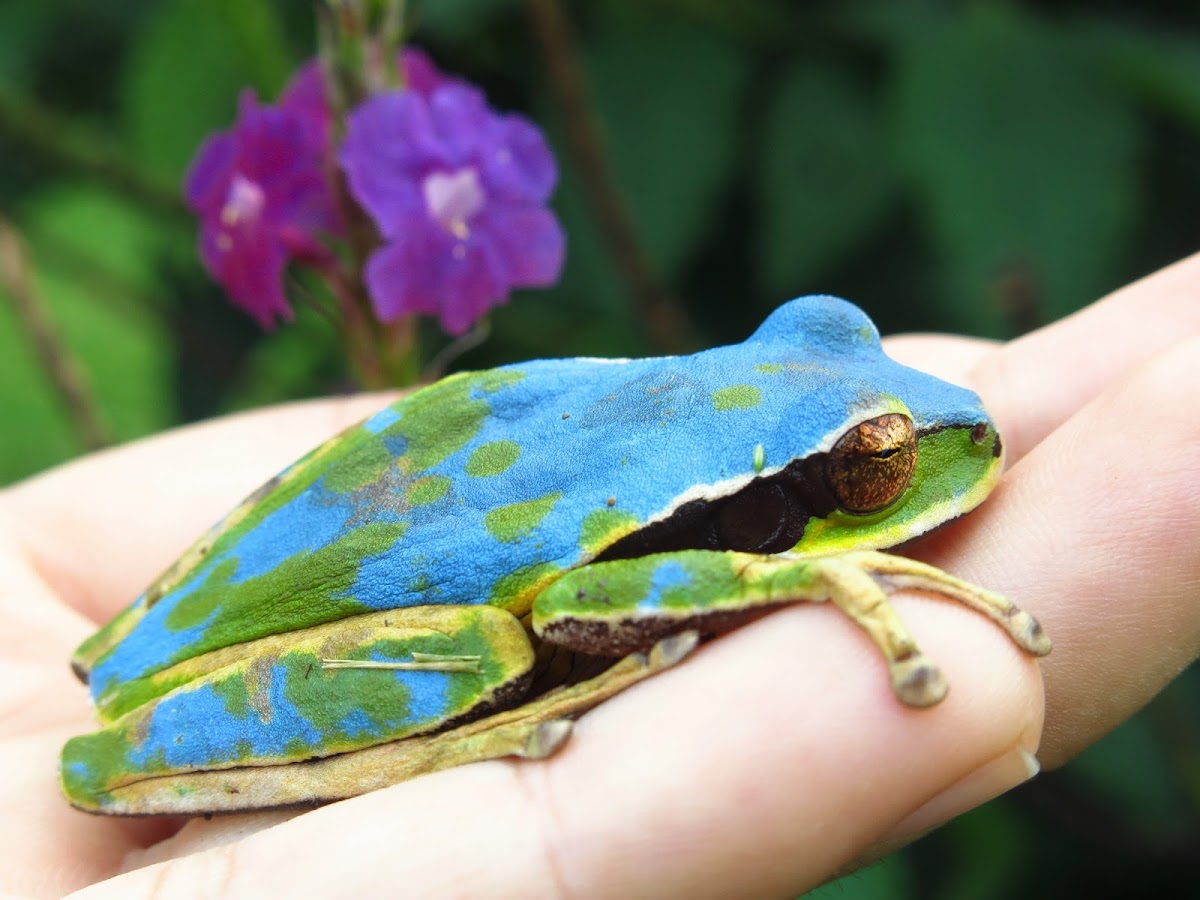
x,y
784,758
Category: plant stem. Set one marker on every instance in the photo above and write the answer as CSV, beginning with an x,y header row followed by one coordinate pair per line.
x,y
666,321
67,376
66,144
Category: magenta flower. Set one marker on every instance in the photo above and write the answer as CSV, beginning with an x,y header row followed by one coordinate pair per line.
x,y
458,193
263,198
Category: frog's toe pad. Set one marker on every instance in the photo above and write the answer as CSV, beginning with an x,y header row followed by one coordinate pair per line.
x,y
1028,633
545,739
917,681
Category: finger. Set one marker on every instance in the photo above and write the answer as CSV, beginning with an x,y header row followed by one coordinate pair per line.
x,y
760,767
47,848
1036,383
99,529
1094,531
949,357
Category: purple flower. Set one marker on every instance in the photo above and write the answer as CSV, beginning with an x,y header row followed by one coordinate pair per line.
x,y
458,193
263,197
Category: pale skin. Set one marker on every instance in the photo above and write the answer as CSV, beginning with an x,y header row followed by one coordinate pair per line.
x,y
784,758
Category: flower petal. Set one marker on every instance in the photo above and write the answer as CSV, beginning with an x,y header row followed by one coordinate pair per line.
x,y
420,74
306,96
402,277
207,179
461,121
249,265
389,138
426,271
517,163
529,243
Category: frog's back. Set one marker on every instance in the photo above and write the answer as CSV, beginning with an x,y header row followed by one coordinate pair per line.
x,y
486,486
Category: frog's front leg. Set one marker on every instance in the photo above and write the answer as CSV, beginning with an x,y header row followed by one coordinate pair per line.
x,y
619,606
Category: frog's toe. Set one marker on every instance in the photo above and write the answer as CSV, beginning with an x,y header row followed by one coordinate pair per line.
x,y
545,739
1028,633
917,681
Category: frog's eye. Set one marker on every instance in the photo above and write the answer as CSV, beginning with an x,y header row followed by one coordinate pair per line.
x,y
871,464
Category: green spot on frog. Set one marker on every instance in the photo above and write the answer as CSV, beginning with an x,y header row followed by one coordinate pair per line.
x,y
363,468
429,489
444,417
514,521
492,458
737,396
603,527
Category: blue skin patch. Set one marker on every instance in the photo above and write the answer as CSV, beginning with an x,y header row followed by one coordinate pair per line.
x,y
669,575
193,729
309,522
641,432
428,694
382,420
157,641
358,724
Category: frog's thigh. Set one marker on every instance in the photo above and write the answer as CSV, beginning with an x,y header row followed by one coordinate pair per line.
x,y
280,701
533,731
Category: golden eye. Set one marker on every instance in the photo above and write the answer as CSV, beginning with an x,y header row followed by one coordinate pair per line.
x,y
871,464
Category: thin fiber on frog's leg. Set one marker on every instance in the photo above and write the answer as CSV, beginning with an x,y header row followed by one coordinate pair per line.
x,y
901,572
916,679
533,731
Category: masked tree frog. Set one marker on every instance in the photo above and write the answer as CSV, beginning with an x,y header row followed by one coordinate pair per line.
x,y
410,594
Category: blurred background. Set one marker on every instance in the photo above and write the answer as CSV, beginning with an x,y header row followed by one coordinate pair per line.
x,y
974,167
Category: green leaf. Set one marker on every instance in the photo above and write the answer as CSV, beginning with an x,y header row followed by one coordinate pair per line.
x,y
825,179
22,30
119,342
186,70
1162,69
1130,770
1023,153
887,879
668,96
300,359
457,19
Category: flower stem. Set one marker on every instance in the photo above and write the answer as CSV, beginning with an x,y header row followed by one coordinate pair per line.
x,y
65,372
666,321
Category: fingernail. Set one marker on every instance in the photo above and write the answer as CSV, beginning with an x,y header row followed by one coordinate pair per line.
x,y
992,779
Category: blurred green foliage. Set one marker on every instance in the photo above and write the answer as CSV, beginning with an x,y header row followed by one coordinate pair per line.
x,y
976,167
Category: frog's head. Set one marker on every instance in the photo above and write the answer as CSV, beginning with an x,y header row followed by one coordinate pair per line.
x,y
841,448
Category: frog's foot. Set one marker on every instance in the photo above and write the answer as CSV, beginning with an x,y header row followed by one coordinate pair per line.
x,y
848,581
899,572
859,584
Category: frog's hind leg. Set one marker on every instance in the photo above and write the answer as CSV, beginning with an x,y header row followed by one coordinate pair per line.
x,y
533,730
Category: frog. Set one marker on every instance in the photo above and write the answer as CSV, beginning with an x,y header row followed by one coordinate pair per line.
x,y
465,573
